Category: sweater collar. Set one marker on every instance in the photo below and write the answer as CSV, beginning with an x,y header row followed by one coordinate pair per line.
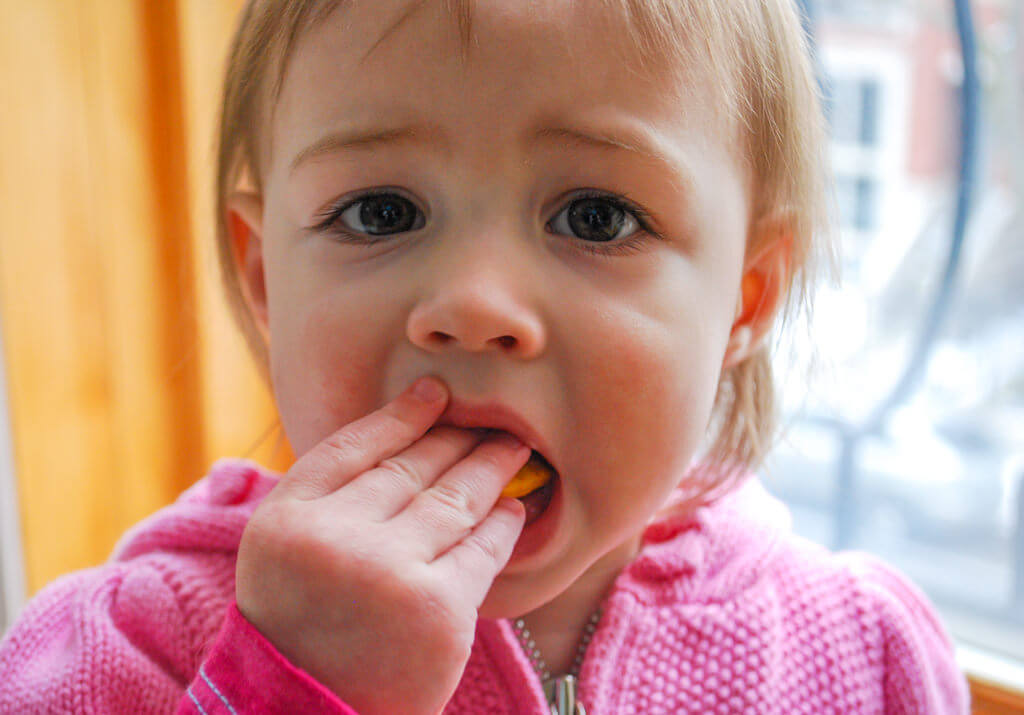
x,y
713,550
708,554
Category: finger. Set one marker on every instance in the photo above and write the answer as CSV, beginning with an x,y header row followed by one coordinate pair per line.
x,y
477,560
444,514
388,488
364,443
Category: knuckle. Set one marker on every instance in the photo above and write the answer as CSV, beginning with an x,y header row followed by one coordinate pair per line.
x,y
344,442
316,474
486,546
401,469
451,498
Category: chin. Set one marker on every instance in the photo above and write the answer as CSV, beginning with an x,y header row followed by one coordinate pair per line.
x,y
508,600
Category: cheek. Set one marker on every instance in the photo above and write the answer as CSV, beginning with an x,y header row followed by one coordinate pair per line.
x,y
653,392
647,399
322,365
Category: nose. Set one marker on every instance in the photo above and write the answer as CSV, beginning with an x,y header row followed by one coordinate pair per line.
x,y
477,307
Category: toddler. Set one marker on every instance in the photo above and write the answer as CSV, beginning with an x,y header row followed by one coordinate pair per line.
x,y
462,236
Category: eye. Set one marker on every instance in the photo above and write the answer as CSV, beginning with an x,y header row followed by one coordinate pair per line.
x,y
598,218
376,214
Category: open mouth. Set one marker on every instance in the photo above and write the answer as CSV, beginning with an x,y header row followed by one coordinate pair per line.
x,y
536,483
537,500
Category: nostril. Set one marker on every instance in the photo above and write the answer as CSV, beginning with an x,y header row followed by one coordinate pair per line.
x,y
438,338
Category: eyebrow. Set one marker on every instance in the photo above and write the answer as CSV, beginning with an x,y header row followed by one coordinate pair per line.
x,y
614,143
607,142
370,139
362,139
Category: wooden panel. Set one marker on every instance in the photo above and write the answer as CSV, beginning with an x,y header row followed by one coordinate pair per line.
x,y
990,699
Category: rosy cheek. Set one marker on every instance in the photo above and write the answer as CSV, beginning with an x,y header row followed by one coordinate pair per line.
x,y
323,377
646,403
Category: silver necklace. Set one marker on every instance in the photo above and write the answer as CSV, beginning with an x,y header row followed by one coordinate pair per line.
x,y
559,690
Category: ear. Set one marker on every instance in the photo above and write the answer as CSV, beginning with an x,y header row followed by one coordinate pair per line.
x,y
765,276
245,230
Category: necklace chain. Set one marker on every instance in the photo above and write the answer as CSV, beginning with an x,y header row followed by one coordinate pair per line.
x,y
533,652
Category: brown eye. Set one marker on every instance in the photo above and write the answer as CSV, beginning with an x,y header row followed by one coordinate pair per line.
x,y
598,219
379,214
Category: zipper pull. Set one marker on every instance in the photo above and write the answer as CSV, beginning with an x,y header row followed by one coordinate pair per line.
x,y
561,694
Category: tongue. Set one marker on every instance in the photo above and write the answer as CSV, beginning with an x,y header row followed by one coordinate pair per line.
x,y
537,501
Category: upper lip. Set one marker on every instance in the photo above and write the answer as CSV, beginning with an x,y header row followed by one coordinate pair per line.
x,y
494,416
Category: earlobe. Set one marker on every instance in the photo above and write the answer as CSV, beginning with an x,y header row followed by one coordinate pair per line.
x,y
762,288
245,232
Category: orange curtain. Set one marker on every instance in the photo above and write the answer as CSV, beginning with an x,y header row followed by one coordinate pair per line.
x,y
126,377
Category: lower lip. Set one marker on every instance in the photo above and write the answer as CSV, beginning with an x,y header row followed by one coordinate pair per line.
x,y
540,531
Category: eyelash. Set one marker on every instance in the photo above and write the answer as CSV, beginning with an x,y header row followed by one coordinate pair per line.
x,y
329,217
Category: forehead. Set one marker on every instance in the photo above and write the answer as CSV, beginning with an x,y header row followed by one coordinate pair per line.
x,y
489,62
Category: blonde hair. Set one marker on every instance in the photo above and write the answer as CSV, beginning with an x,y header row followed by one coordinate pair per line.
x,y
758,51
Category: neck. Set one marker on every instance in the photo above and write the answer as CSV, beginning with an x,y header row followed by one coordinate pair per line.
x,y
557,627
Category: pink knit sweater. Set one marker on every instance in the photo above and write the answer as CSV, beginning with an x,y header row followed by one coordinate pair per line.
x,y
724,613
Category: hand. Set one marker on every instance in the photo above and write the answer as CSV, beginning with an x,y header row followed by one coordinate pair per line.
x,y
366,565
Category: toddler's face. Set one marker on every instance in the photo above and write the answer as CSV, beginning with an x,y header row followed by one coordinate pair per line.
x,y
485,235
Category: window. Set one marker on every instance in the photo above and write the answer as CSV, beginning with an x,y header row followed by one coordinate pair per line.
x,y
855,197
851,105
910,443
867,103
12,576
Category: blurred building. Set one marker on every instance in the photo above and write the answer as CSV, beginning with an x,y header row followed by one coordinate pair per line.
x,y
891,77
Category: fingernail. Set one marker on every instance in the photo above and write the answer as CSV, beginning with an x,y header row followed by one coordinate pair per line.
x,y
428,390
